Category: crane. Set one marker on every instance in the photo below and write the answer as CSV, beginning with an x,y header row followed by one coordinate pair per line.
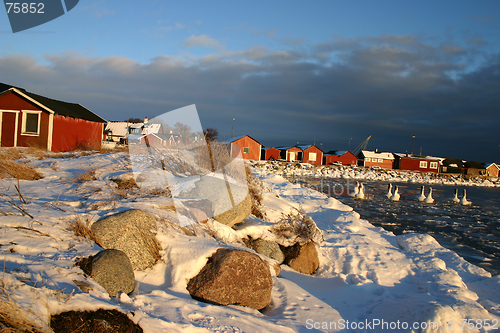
x,y
361,147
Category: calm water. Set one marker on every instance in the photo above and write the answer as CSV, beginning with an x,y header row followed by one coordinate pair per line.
x,y
471,231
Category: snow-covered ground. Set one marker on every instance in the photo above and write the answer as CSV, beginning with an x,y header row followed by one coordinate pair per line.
x,y
369,280
348,172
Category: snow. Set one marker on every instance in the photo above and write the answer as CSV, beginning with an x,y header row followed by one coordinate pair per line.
x,y
366,276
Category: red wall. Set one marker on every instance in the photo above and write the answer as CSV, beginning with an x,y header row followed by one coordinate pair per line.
x,y
346,159
272,152
71,133
246,141
414,164
313,149
386,164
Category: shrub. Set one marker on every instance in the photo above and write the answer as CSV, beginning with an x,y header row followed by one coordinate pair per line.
x,y
11,169
296,227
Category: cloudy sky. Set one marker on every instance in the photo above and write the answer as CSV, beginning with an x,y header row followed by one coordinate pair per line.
x,y
324,72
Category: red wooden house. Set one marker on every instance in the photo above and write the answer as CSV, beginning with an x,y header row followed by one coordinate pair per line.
x,y
245,146
417,163
340,157
30,120
270,154
312,155
492,170
291,154
375,159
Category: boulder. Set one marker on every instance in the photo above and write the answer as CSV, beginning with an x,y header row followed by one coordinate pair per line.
x,y
268,248
236,214
302,258
233,277
113,271
132,232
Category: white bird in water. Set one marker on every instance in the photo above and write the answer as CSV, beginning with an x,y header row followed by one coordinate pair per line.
x,y
421,197
455,197
396,196
429,198
356,190
464,201
389,191
361,192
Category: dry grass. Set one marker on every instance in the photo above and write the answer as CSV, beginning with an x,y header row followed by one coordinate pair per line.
x,y
81,227
15,319
255,189
215,157
86,175
125,184
296,226
11,169
158,191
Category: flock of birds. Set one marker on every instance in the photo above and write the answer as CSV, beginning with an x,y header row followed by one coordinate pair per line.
x,y
359,193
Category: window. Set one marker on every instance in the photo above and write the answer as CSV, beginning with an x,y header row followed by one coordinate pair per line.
x,y
246,150
423,164
312,156
31,122
367,159
434,165
380,160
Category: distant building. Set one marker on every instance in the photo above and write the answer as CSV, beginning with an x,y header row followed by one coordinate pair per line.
x,y
30,120
291,154
312,154
475,169
492,170
270,154
249,148
453,165
417,162
369,159
340,157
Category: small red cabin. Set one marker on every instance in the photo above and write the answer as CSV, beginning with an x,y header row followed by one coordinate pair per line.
x,y
340,157
270,154
291,154
312,155
417,163
375,159
30,120
248,147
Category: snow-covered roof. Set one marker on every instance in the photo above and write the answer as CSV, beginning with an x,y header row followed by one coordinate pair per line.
x,y
236,138
432,158
372,154
494,165
118,128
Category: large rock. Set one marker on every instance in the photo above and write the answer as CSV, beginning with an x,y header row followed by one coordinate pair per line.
x,y
132,232
302,258
233,277
113,271
268,248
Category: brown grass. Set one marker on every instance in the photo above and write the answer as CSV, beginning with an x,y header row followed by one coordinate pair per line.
x,y
86,175
15,319
296,225
255,189
81,227
11,169
125,184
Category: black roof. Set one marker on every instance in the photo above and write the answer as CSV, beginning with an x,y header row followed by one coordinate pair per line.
x,y
448,161
60,107
474,165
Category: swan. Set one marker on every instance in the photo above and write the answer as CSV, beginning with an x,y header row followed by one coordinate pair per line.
x,y
455,197
396,196
356,190
429,198
464,201
361,192
421,197
389,191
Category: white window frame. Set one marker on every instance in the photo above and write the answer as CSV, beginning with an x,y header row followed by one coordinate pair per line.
x,y
246,150
312,156
380,160
434,165
367,159
422,165
23,127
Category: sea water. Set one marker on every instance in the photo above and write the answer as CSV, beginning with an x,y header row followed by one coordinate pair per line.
x,y
471,231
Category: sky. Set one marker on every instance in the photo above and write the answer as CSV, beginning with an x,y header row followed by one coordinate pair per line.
x,y
325,72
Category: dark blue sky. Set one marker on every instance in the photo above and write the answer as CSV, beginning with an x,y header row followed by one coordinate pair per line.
x,y
323,71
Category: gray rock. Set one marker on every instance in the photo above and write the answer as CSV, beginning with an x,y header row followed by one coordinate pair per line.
x,y
302,258
268,248
132,232
113,271
233,277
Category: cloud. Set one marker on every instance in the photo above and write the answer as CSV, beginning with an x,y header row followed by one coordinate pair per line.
x,y
391,87
201,41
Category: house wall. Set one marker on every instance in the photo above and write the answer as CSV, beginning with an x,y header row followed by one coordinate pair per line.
x,y
385,164
346,159
246,142
271,152
492,171
414,165
319,156
70,133
12,123
285,154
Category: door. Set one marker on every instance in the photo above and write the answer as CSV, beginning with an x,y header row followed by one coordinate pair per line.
x,y
8,131
292,156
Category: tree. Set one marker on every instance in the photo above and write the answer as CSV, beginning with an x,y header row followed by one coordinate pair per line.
x,y
211,134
